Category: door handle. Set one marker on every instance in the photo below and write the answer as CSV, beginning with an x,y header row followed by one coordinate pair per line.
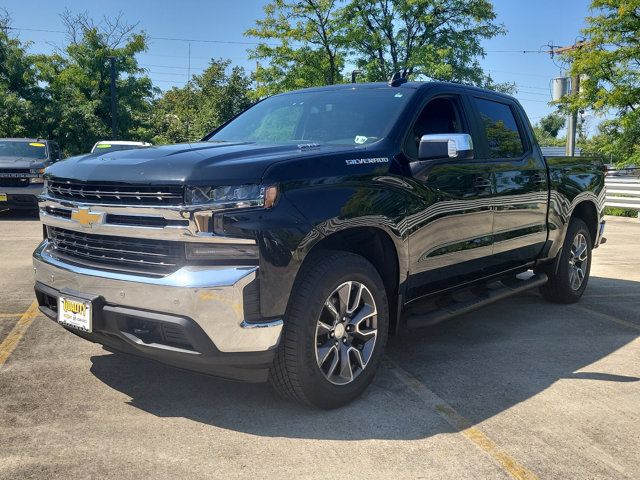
x,y
538,179
482,183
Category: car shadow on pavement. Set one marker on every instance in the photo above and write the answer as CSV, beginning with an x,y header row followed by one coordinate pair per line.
x,y
481,364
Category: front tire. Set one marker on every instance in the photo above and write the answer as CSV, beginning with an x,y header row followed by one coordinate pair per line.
x,y
335,331
568,281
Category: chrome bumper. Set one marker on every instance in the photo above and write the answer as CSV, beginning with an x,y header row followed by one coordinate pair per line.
x,y
34,189
210,296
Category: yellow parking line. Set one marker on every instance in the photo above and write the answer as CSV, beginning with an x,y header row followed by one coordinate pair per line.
x,y
11,342
461,424
606,316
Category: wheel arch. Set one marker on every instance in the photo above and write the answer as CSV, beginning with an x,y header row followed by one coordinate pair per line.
x,y
378,247
587,211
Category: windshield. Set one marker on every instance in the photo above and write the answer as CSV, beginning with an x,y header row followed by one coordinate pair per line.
x,y
26,149
104,147
340,117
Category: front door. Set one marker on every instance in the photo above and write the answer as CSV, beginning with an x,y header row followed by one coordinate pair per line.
x,y
450,227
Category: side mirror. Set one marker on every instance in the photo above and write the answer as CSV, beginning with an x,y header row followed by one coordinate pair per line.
x,y
446,145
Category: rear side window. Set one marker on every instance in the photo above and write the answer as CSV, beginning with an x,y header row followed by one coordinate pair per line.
x,y
500,127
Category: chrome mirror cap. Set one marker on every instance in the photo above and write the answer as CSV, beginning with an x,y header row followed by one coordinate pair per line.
x,y
442,145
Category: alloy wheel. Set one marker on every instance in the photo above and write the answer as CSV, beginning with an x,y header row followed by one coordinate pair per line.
x,y
346,333
578,261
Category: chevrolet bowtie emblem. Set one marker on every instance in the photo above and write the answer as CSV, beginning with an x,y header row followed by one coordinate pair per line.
x,y
86,217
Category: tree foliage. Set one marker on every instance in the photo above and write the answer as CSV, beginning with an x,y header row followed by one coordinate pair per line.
x,y
314,39
436,38
548,128
78,82
552,124
310,50
609,65
21,96
209,100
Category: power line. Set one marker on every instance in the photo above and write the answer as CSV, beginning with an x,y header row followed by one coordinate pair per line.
x,y
171,39
528,74
531,100
236,42
515,51
530,86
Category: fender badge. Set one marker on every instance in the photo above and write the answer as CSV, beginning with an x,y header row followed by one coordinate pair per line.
x,y
360,161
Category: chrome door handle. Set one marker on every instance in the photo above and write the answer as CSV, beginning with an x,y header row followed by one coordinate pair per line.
x,y
538,179
482,183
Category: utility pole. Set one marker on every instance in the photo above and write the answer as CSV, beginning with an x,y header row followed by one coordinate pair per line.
x,y
572,122
189,93
114,100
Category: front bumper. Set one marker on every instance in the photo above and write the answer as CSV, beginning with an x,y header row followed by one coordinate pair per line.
x,y
193,318
22,197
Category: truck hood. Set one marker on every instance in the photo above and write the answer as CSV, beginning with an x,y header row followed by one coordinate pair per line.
x,y
21,163
200,163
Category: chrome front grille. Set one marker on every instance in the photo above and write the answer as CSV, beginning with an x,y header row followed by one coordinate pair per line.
x,y
119,194
152,257
14,177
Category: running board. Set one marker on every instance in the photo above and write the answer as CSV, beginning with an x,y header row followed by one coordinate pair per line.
x,y
450,306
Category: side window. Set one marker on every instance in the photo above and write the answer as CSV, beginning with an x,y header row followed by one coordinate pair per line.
x,y
500,127
440,115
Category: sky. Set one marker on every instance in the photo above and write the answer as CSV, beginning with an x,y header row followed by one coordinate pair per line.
x,y
209,24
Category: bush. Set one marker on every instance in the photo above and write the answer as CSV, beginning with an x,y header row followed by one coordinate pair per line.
x,y
620,212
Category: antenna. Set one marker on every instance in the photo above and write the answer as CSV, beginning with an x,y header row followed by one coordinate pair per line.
x,y
398,79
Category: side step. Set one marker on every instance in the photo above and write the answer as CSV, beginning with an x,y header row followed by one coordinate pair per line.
x,y
471,299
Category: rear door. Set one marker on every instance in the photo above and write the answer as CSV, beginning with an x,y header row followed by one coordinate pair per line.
x,y
520,175
450,238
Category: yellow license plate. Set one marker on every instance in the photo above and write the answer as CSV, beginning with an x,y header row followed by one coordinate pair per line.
x,y
3,197
74,313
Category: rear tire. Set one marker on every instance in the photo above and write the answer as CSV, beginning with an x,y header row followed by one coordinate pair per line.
x,y
568,276
335,331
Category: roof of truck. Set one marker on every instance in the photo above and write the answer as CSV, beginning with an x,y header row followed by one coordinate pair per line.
x,y
25,140
407,85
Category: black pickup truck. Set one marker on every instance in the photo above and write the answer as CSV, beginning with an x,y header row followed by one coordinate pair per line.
x,y
22,165
291,241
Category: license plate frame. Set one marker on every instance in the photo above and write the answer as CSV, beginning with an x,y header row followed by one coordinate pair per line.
x,y
76,313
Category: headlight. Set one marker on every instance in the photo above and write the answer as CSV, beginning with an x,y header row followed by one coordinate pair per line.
x,y
235,196
39,172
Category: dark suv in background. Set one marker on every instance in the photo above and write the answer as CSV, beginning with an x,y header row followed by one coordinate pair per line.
x,y
22,164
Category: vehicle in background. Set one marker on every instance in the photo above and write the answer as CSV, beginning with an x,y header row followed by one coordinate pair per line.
x,y
293,239
105,146
628,171
22,164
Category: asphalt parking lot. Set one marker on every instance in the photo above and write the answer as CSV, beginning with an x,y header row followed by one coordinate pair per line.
x,y
521,389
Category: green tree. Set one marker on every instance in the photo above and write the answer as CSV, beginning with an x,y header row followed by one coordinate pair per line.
x,y
608,63
309,50
21,97
78,83
439,39
210,99
548,128
552,124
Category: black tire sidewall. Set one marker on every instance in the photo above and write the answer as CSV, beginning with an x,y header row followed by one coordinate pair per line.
x,y
342,268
